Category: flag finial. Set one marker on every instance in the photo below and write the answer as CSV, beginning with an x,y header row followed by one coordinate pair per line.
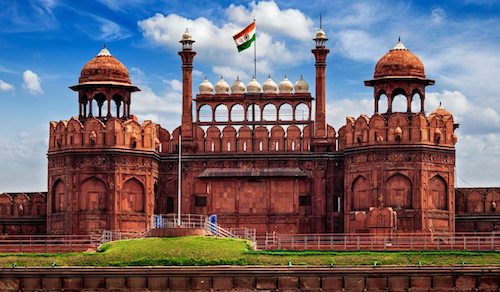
x,y
320,22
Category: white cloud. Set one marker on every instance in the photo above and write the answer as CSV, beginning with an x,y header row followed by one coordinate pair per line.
x,y
214,44
438,15
360,45
164,108
4,86
272,20
31,82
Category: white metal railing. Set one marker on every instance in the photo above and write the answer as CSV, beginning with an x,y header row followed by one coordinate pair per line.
x,y
417,241
172,221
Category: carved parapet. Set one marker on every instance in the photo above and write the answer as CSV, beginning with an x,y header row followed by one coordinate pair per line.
x,y
400,128
114,133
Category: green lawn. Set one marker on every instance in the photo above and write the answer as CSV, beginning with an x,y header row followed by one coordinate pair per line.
x,y
223,251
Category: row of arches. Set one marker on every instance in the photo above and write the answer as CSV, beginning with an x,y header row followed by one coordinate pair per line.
x,y
22,204
94,197
104,105
253,113
478,201
397,193
400,100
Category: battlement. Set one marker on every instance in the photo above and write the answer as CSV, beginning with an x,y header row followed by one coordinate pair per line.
x,y
400,128
244,139
93,133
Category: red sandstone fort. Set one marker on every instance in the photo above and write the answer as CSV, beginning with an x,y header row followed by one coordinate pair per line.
x,y
257,156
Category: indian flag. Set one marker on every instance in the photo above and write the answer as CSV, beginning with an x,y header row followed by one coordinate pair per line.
x,y
245,38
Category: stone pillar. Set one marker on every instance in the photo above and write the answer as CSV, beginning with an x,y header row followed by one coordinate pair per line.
x,y
320,53
187,55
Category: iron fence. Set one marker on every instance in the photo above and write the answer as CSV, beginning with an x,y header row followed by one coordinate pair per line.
x,y
350,242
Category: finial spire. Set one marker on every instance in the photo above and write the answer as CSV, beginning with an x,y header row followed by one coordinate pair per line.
x,y
320,22
399,38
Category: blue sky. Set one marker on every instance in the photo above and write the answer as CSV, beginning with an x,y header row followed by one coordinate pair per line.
x,y
45,43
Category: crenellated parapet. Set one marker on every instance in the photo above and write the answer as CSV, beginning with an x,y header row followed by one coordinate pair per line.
x,y
437,129
93,133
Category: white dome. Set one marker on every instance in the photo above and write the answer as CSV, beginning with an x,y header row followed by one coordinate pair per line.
x,y
186,36
253,86
320,34
301,86
285,86
238,87
221,87
206,87
269,85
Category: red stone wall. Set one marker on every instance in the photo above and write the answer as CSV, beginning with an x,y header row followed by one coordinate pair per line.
x,y
23,213
477,209
253,279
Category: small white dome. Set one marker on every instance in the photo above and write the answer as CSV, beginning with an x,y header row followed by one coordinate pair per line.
x,y
320,34
301,86
221,87
104,52
238,87
285,86
206,87
269,85
186,36
253,86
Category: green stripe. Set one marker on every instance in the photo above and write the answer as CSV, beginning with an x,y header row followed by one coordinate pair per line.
x,y
246,45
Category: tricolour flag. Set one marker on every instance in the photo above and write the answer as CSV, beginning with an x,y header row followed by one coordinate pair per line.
x,y
245,38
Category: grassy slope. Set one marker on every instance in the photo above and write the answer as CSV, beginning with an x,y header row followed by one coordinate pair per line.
x,y
218,251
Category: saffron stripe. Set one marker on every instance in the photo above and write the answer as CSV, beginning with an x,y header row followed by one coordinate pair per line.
x,y
245,31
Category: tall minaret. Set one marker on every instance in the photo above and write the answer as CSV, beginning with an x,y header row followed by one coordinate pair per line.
x,y
187,54
320,53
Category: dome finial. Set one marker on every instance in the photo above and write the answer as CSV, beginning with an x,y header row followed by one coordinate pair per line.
x,y
399,39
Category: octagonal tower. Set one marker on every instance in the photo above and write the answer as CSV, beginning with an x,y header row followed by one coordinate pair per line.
x,y
103,163
400,165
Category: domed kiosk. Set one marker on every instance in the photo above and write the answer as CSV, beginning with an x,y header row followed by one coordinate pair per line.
x,y
399,72
104,82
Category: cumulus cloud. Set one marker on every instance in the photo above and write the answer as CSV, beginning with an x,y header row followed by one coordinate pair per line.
x,y
164,108
272,20
360,45
215,45
4,86
31,82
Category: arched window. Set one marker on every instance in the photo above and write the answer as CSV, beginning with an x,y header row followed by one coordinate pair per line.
x,y
439,193
92,195
475,202
237,113
116,104
361,194
415,102
133,196
253,113
399,103
269,112
398,192
205,113
101,108
286,112
302,112
221,113
382,104
59,203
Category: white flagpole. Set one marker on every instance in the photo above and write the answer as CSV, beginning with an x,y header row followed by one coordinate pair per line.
x,y
179,184
255,52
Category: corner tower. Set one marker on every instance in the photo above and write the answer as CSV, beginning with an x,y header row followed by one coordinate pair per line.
x,y
400,166
102,165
